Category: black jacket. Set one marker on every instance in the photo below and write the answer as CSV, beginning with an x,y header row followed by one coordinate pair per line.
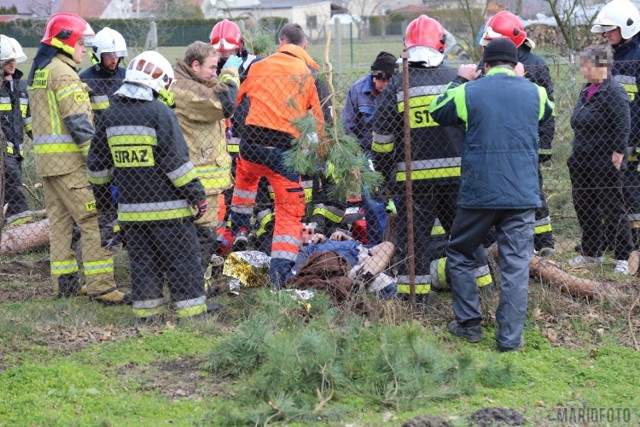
x,y
435,149
102,85
14,113
626,71
142,140
601,125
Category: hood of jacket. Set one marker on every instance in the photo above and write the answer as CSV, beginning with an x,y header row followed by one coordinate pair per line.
x,y
299,52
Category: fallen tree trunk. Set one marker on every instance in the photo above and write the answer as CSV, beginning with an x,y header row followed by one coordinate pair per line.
x,y
552,275
24,237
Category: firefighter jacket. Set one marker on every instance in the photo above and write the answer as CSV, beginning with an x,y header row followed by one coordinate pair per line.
x,y
501,113
201,108
14,113
626,71
280,89
537,71
62,117
102,85
139,143
601,124
435,149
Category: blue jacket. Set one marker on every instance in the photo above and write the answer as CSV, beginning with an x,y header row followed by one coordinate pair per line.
x,y
501,113
357,116
102,85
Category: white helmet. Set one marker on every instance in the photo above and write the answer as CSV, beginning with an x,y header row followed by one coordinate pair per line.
x,y
618,13
108,40
150,69
10,49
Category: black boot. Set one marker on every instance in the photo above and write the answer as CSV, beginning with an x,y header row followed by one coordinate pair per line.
x,y
69,286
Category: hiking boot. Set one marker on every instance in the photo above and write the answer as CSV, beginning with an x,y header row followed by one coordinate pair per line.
x,y
585,260
241,240
520,346
546,252
69,286
471,333
622,267
111,297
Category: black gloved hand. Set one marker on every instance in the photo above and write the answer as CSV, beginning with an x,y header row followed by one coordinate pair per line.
x,y
201,209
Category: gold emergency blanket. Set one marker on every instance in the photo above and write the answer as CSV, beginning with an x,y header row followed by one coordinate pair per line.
x,y
250,267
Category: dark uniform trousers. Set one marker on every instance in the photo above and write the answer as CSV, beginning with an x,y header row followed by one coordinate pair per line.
x,y
14,192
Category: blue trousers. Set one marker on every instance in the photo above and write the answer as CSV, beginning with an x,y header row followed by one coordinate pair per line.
x,y
514,234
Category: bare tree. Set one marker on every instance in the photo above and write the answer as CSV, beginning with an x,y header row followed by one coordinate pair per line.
x,y
474,18
41,8
574,19
360,10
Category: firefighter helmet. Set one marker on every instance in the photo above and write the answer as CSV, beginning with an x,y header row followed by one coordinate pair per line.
x,y
618,13
108,40
150,69
225,36
10,50
504,24
64,29
425,31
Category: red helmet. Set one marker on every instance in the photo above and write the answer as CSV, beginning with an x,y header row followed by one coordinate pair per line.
x,y
225,36
504,24
425,31
63,31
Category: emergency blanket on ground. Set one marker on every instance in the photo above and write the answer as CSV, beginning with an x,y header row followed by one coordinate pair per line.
x,y
325,270
251,268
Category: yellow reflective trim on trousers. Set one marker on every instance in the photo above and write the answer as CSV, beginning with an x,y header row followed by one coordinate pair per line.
x,y
216,182
484,280
442,273
132,140
420,289
185,179
327,214
263,224
99,181
23,110
147,312
191,311
5,107
100,105
56,148
28,127
429,174
63,267
98,267
437,230
382,148
546,228
154,216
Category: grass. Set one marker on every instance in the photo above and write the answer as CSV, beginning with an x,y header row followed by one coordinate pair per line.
x,y
81,364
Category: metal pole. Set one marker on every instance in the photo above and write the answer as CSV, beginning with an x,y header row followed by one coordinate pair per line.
x,y
338,24
351,42
408,183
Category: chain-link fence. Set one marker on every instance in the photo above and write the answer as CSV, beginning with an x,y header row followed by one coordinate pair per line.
x,y
275,226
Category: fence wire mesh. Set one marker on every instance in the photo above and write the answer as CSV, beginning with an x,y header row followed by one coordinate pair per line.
x,y
135,220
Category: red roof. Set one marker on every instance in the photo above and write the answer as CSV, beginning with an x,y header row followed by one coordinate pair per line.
x,y
6,18
84,8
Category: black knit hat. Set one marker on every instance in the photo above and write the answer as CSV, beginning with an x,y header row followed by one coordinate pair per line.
x,y
385,62
500,50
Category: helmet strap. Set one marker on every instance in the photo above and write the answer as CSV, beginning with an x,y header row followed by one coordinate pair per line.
x,y
64,47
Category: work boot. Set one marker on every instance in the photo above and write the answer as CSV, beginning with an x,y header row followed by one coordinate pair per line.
x,y
585,260
546,252
471,333
111,297
69,286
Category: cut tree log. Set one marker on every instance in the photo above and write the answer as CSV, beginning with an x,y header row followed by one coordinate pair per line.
x,y
551,274
24,237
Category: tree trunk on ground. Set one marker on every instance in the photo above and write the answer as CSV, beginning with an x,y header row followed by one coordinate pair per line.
x,y
25,237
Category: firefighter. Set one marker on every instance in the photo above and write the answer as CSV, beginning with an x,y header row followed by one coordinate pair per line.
x,y
202,103
506,24
226,38
16,120
62,132
435,167
139,143
279,90
619,22
104,77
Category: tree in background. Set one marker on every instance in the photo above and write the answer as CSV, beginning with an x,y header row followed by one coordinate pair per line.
x,y
574,19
